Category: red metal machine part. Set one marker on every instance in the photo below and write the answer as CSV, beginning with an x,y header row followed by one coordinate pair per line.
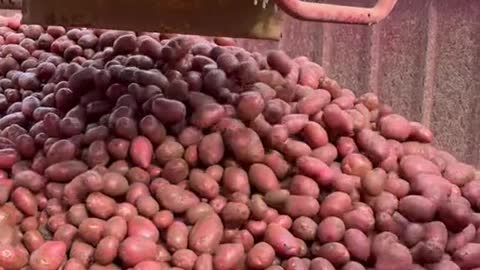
x,y
336,13
256,22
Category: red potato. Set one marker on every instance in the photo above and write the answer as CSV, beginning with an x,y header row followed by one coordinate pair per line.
x,y
235,214
376,146
346,145
76,214
66,233
177,236
204,185
227,256
6,186
12,258
412,165
356,164
147,206
399,187
395,256
134,250
32,240
321,264
114,184
471,191
432,248
151,265
198,211
184,259
459,240
304,228
394,126
236,180
297,205
137,174
189,136
207,115
263,178
206,234
175,170
8,157
24,200
73,264
277,198
336,204
92,180
141,151
302,185
467,256
245,145
455,214
353,266
295,263
357,244
373,182
413,233
250,105
336,253
459,173
107,250
420,133
91,230
282,241
65,171
330,229
168,150
116,227
101,205
48,256
417,208
260,256
361,218
315,168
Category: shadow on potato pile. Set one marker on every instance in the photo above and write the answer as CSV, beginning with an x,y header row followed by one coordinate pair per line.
x,y
124,151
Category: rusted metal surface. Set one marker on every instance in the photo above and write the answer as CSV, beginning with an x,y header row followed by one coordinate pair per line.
x,y
296,8
231,18
319,12
424,60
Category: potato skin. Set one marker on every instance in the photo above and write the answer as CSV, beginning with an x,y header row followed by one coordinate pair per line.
x,y
330,229
135,249
417,208
395,256
260,256
336,204
357,244
17,261
206,234
48,256
227,256
245,145
467,257
263,178
297,205
175,198
177,236
106,250
282,241
334,252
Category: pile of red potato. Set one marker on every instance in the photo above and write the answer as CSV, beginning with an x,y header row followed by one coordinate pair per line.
x,y
141,151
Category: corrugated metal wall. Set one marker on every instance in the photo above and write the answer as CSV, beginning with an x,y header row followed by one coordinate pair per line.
x,y
424,60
